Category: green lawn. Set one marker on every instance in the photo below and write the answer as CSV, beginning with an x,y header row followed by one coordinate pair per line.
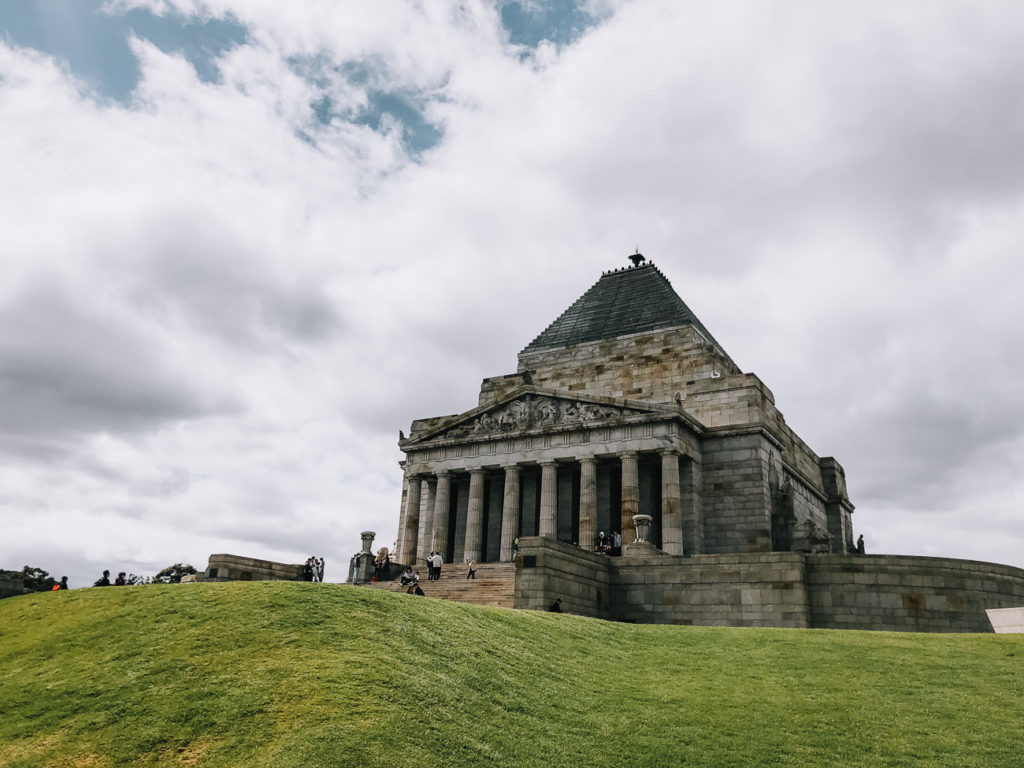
x,y
293,674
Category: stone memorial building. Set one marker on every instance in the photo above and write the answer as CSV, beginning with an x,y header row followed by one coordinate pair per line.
x,y
625,405
626,415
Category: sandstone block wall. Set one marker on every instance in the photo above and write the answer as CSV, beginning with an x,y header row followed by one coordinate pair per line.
x,y
772,589
547,569
237,568
736,500
647,366
712,590
909,594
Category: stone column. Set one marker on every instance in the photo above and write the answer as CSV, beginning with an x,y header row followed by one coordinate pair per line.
x,y
509,513
400,537
425,535
588,502
412,520
630,495
548,500
442,506
475,515
671,506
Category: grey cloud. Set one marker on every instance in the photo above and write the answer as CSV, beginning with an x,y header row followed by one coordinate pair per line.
x,y
228,290
66,369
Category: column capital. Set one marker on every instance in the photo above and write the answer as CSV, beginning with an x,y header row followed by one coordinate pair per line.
x,y
587,460
477,471
670,452
548,463
443,473
511,468
629,454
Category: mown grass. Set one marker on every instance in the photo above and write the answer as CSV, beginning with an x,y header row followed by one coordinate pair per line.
x,y
289,674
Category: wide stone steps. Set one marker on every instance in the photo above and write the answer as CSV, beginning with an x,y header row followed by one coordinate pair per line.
x,y
494,584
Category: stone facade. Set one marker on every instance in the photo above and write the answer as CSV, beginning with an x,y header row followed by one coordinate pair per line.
x,y
626,405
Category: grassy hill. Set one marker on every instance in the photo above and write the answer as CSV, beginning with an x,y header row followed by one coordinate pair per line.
x,y
289,674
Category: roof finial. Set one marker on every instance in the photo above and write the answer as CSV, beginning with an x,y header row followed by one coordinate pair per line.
x,y
637,258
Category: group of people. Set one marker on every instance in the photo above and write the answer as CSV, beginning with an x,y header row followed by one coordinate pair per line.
x,y
411,580
434,562
608,544
104,580
382,565
313,569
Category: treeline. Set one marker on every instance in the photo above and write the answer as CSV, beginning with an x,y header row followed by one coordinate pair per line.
x,y
31,579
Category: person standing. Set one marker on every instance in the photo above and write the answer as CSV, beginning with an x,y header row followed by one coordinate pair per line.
x,y
430,566
437,560
471,569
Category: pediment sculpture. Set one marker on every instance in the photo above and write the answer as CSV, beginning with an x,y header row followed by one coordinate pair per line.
x,y
533,412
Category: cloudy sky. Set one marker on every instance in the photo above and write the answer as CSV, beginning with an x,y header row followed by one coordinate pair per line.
x,y
244,242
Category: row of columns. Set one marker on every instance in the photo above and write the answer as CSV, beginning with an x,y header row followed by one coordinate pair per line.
x,y
425,522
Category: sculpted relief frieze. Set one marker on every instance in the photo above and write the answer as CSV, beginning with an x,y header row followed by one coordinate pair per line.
x,y
534,412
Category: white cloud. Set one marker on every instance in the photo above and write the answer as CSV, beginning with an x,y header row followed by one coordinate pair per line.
x,y
218,310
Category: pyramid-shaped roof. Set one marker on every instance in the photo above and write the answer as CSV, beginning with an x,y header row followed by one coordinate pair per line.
x,y
624,301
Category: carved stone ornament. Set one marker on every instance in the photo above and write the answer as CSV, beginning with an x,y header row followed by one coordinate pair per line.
x,y
534,411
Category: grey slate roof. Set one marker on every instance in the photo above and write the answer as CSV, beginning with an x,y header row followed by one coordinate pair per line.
x,y
622,302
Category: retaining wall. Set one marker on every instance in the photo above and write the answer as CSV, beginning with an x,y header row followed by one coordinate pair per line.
x,y
774,589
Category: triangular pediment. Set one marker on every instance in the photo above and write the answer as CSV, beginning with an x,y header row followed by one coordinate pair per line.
x,y
531,409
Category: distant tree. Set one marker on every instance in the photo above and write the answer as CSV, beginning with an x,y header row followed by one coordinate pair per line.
x,y
33,579
133,579
172,574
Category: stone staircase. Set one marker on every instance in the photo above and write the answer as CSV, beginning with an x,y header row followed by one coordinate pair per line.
x,y
494,584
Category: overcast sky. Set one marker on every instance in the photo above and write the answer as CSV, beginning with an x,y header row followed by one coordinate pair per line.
x,y
244,242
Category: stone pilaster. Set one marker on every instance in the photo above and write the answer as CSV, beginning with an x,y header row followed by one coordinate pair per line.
x,y
588,502
475,515
509,513
671,505
425,534
691,507
442,506
407,545
630,495
548,499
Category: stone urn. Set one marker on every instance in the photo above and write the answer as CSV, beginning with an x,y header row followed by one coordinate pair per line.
x,y
368,537
642,523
